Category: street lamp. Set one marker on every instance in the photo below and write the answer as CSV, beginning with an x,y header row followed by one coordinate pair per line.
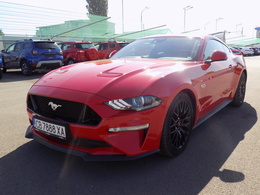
x,y
142,16
217,22
185,9
205,26
123,16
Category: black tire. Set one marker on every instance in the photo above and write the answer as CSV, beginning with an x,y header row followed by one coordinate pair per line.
x,y
70,61
240,92
177,126
1,74
4,70
26,68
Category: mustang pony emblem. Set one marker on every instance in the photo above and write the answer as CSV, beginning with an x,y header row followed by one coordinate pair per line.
x,y
54,106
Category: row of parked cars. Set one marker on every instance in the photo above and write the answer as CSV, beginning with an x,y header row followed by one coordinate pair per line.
x,y
246,51
30,55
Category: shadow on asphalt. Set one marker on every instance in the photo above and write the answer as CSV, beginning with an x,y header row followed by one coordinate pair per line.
x,y
16,75
36,169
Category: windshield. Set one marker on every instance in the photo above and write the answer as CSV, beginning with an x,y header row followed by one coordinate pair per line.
x,y
170,48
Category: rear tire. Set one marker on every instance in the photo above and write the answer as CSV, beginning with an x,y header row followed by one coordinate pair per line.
x,y
240,92
1,74
26,68
177,126
70,61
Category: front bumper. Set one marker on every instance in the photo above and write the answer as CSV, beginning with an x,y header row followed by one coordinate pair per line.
x,y
96,140
86,156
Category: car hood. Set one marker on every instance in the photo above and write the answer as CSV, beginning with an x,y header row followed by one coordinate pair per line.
x,y
111,78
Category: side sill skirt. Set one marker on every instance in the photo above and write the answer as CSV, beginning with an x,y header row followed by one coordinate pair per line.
x,y
210,114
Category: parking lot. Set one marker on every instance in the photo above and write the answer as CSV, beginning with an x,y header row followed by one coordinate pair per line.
x,y
221,158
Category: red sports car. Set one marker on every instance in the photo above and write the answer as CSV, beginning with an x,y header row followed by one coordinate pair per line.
x,y
146,99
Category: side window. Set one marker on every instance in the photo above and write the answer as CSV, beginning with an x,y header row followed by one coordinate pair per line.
x,y
61,46
212,46
226,50
102,46
112,45
26,45
65,46
10,48
18,47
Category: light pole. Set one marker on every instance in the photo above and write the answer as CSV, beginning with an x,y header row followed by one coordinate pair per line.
x,y
142,16
185,9
217,23
205,26
123,16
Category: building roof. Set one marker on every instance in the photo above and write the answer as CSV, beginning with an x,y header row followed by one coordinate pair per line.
x,y
244,42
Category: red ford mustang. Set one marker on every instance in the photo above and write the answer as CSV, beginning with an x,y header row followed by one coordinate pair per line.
x,y
147,98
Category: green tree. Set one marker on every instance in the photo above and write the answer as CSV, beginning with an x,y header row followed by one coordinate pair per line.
x,y
97,7
1,32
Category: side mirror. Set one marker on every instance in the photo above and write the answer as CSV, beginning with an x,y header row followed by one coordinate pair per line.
x,y
217,56
3,51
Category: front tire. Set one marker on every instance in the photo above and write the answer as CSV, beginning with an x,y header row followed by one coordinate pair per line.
x,y
177,126
240,92
26,68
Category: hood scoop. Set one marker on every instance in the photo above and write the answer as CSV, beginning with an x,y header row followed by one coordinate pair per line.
x,y
110,73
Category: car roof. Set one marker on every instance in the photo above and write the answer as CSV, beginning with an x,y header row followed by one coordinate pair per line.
x,y
31,40
76,42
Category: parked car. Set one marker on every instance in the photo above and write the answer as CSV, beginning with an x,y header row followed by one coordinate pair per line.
x,y
1,68
246,51
255,50
30,55
146,99
106,48
235,51
74,52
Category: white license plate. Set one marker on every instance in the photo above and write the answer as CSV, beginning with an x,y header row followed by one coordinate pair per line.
x,y
50,128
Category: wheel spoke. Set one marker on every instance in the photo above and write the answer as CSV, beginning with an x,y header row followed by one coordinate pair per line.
x,y
180,123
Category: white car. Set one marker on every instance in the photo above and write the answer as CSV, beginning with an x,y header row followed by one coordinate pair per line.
x,y
246,51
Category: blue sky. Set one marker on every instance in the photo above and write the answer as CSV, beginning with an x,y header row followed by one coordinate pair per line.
x,y
204,14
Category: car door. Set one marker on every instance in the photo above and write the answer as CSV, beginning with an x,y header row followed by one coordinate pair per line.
x,y
14,56
218,74
7,55
102,50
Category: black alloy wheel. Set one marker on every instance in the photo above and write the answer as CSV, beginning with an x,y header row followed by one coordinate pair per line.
x,y
177,126
26,68
240,92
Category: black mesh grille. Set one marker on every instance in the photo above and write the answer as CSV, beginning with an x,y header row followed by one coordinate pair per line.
x,y
63,110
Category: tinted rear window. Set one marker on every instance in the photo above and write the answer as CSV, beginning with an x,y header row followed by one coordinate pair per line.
x,y
46,45
83,45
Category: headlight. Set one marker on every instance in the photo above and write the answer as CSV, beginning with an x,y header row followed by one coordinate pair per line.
x,y
136,103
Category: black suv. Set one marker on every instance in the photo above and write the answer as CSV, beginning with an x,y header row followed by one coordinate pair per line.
x,y
30,55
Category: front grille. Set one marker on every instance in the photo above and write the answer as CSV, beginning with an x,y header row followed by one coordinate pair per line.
x,y
63,110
